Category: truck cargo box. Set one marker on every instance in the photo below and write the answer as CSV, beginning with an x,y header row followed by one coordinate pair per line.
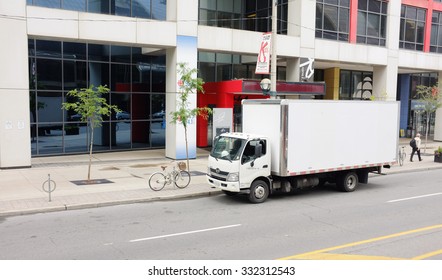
x,y
314,136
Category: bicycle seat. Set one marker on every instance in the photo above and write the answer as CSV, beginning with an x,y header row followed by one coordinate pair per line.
x,y
163,167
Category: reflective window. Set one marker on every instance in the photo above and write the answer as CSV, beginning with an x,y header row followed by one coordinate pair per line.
x,y
333,19
75,5
150,9
436,32
372,20
48,3
214,67
246,15
355,85
412,28
57,67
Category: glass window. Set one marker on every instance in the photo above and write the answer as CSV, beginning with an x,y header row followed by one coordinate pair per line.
x,y
436,33
355,85
372,17
98,73
58,67
158,75
75,74
48,3
98,52
141,73
141,8
74,50
99,6
120,8
412,28
246,15
120,54
48,49
75,5
159,9
332,20
49,74
120,77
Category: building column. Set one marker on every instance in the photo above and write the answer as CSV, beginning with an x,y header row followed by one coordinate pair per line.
x,y
185,13
438,117
332,79
385,80
15,141
293,71
302,19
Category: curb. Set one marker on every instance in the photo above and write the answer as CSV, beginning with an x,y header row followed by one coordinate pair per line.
x,y
80,206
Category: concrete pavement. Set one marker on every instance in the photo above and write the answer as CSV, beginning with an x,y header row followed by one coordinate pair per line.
x,y
21,190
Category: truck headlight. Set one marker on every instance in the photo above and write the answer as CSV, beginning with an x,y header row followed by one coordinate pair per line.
x,y
233,177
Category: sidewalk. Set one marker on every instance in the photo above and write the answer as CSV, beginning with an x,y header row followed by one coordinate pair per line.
x,y
21,190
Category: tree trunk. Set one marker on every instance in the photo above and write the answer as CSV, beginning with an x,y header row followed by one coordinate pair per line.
x,y
427,130
90,153
187,148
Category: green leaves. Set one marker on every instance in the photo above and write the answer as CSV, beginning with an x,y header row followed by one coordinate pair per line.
x,y
431,97
188,84
90,104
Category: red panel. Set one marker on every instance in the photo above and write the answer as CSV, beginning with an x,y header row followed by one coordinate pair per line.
x,y
353,21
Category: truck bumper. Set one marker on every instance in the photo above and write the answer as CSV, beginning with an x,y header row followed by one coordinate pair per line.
x,y
223,185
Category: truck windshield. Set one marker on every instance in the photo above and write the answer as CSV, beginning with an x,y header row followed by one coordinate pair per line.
x,y
228,148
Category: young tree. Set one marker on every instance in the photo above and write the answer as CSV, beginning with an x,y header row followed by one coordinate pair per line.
x,y
189,83
431,99
91,106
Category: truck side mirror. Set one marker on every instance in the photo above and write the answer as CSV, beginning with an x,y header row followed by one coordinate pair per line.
x,y
258,150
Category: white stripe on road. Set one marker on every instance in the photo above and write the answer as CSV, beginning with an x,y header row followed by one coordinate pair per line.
x,y
414,197
183,233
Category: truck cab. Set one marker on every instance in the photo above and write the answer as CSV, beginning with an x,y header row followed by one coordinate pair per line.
x,y
240,163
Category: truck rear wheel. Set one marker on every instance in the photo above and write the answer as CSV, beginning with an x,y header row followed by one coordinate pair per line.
x,y
347,182
259,191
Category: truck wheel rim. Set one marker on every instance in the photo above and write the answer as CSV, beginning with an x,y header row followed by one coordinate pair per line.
x,y
351,182
259,192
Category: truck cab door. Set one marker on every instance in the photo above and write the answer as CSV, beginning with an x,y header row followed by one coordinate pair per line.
x,y
255,161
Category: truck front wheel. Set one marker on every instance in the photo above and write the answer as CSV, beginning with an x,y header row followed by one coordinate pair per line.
x,y
348,182
259,191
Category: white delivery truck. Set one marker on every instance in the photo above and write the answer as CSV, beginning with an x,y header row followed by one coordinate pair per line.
x,y
293,144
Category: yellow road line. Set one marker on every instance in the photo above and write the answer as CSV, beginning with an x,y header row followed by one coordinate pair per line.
x,y
306,255
428,255
329,256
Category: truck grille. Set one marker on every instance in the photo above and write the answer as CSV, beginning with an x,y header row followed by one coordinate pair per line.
x,y
218,174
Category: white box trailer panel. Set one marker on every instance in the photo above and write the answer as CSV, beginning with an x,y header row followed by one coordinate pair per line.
x,y
311,136
263,117
330,135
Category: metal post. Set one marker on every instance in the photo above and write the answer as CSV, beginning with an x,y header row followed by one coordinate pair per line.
x,y
49,190
273,47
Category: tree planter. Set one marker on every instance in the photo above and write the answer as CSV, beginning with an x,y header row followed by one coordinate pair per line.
x,y
438,158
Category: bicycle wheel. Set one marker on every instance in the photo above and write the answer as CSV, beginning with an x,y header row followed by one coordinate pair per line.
x,y
182,179
157,181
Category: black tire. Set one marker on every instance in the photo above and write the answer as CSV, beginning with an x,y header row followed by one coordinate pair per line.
x,y
157,181
259,191
182,181
348,182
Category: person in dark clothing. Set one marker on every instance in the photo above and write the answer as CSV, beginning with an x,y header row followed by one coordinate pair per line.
x,y
417,148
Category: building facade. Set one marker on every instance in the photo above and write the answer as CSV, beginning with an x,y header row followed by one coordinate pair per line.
x,y
362,49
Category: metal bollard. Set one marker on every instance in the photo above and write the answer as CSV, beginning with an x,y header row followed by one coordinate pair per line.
x,y
49,190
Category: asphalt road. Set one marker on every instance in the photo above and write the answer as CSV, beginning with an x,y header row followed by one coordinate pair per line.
x,y
397,216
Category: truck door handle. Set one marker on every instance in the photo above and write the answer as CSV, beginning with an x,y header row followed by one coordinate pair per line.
x,y
265,166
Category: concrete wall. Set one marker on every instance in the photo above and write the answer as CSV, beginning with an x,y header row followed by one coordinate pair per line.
x,y
15,149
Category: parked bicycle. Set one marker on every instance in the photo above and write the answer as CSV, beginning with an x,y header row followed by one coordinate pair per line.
x,y
180,177
402,155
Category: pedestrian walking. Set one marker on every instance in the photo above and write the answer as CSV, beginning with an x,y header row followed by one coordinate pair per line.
x,y
416,146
